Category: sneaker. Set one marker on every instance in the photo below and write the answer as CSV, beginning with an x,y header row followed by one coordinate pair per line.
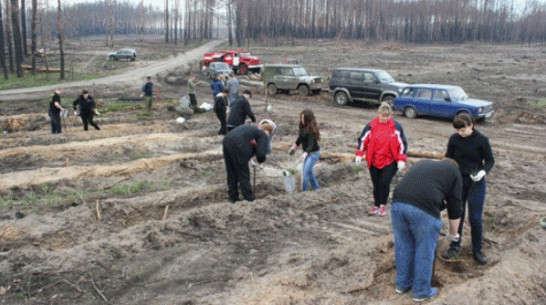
x,y
480,258
400,290
434,292
373,211
382,210
450,253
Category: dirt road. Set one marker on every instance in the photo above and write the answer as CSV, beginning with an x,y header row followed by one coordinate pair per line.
x,y
137,213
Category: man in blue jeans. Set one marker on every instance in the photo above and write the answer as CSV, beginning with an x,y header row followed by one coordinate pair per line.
x,y
427,188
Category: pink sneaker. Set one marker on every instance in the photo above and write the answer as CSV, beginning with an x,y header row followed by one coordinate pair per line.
x,y
382,210
373,211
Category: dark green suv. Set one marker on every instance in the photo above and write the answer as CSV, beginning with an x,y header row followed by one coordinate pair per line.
x,y
284,78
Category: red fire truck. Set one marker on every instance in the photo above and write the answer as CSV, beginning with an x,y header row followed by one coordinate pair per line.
x,y
239,60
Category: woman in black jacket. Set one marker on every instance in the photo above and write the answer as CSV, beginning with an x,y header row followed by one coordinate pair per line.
x,y
309,136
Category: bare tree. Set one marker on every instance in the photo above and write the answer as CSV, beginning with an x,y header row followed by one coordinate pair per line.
x,y
33,34
15,22
176,16
2,47
229,21
141,25
166,21
24,27
112,25
60,36
9,38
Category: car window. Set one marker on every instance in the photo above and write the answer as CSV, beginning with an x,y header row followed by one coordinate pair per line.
x,y
300,71
340,74
223,65
287,72
441,95
369,77
424,93
457,94
356,76
408,92
384,77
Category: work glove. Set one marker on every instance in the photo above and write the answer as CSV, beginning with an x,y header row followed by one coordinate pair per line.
x,y
292,149
75,113
358,160
401,165
254,164
478,176
97,112
452,238
304,155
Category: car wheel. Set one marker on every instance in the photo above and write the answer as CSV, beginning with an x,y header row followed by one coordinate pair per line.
x,y
410,112
271,89
243,70
341,98
389,99
303,90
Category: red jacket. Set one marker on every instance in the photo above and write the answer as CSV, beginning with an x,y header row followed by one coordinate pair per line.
x,y
382,144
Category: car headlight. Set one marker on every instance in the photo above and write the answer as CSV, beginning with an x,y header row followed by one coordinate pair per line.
x,y
480,109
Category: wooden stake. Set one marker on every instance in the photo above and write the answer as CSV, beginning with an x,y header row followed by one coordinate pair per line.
x,y
97,208
165,212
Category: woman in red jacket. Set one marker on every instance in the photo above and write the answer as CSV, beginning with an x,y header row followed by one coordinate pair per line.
x,y
384,146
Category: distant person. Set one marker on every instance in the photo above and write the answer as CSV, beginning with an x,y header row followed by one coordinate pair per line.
x,y
86,105
239,146
233,85
240,110
220,108
147,92
216,85
309,137
383,144
428,187
471,149
270,137
55,108
191,90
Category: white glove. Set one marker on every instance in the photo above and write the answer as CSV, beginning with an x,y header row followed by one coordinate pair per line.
x,y
253,164
358,160
75,113
452,238
97,112
401,165
141,95
478,176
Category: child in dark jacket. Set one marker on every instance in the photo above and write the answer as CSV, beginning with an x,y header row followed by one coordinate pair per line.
x,y
220,107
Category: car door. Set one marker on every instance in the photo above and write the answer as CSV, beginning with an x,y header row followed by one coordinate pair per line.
x,y
371,86
422,101
441,105
354,84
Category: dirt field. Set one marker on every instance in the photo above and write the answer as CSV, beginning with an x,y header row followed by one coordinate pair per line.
x,y
168,235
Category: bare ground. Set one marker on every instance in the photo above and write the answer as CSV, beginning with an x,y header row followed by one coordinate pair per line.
x,y
167,234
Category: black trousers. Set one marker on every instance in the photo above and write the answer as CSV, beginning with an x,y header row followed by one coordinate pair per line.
x,y
381,180
222,118
193,100
238,175
87,119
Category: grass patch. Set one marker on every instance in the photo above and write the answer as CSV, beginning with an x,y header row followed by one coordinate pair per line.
x,y
540,104
7,200
44,79
130,188
120,106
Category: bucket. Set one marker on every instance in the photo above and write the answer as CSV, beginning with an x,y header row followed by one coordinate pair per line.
x,y
289,180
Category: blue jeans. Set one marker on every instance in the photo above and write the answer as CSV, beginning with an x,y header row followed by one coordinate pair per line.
x,y
415,238
55,123
474,194
232,98
307,172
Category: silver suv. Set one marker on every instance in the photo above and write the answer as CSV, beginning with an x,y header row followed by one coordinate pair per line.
x,y
368,85
128,54
284,78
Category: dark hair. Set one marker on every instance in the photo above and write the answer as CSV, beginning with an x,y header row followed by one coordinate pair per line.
x,y
463,120
85,91
310,124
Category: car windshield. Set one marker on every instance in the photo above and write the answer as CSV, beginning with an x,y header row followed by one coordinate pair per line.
x,y
244,54
457,94
222,66
300,71
384,77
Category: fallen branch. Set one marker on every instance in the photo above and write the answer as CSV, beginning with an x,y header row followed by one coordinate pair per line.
x,y
98,291
97,208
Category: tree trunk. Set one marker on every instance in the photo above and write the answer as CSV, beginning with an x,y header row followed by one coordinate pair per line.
x,y
60,36
141,20
15,13
33,34
112,25
166,21
24,27
9,38
228,10
2,47
176,16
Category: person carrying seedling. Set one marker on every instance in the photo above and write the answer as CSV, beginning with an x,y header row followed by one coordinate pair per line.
x,y
239,146
309,137
471,149
87,110
220,108
383,144
428,187
191,90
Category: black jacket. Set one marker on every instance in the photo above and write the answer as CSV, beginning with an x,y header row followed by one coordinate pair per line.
x,y
427,184
246,141
86,106
473,153
148,88
220,105
52,109
239,111
307,141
